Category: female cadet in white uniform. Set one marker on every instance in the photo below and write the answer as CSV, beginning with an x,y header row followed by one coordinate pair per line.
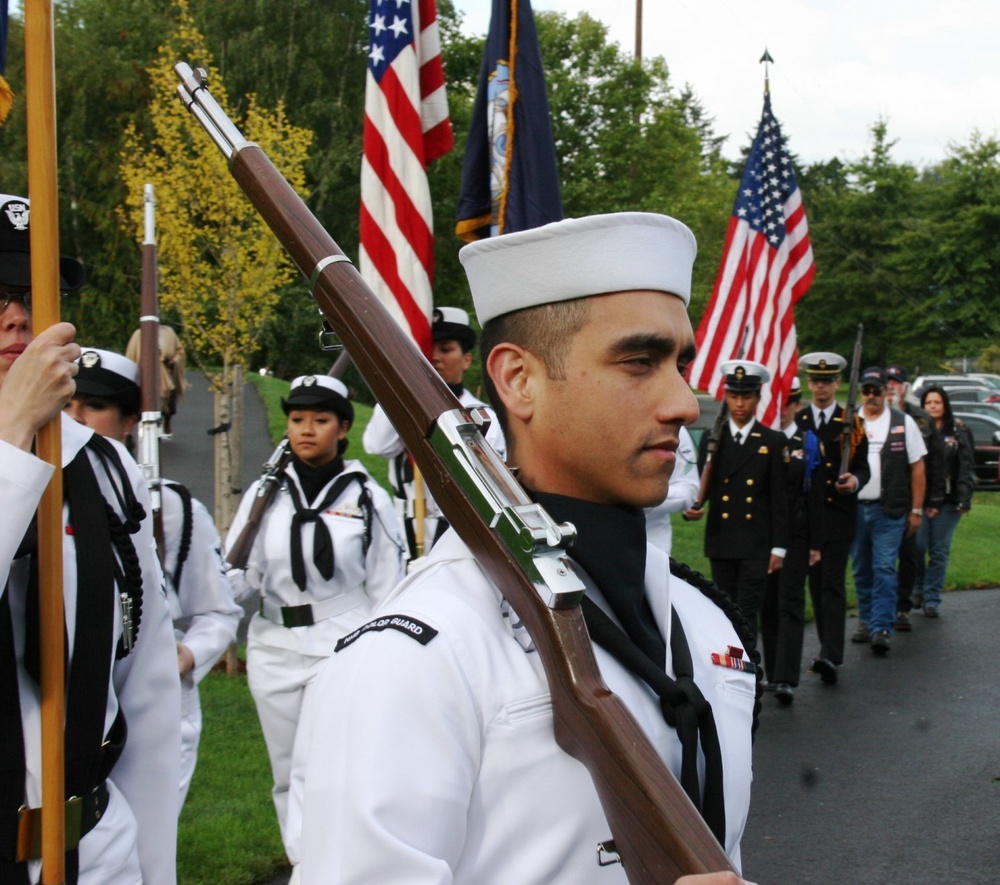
x,y
432,757
202,607
315,586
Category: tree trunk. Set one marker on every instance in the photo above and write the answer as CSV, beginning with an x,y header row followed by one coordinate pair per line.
x,y
228,448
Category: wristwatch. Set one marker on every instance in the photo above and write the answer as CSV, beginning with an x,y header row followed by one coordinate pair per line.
x,y
917,511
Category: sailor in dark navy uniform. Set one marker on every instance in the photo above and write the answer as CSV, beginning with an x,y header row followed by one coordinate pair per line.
x,y
834,496
782,618
747,530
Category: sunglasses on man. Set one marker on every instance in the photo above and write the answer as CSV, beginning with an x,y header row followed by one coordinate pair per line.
x,y
869,390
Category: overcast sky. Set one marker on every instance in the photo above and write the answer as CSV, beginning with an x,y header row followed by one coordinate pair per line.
x,y
932,69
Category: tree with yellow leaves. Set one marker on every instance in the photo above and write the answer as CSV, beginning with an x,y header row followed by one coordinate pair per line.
x,y
221,269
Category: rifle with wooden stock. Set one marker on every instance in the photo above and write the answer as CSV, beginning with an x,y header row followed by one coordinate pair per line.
x,y
851,408
658,834
270,480
151,418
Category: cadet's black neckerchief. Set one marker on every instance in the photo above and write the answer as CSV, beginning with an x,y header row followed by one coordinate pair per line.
x,y
313,480
611,547
457,389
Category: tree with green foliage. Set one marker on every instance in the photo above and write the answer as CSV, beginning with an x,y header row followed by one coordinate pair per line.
x,y
857,213
221,268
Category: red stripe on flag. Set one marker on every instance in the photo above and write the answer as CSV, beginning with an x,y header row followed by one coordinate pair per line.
x,y
408,218
403,116
408,98
383,256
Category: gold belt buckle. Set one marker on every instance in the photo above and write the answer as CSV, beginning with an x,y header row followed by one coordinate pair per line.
x,y
29,829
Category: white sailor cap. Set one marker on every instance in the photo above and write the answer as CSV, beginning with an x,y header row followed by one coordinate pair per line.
x,y
104,373
822,365
744,376
452,324
577,258
795,394
320,393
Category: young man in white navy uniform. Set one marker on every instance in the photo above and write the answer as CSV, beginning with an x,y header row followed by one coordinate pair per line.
x,y
446,767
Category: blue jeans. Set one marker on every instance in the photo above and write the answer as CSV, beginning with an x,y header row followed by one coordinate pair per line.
x,y
876,544
934,538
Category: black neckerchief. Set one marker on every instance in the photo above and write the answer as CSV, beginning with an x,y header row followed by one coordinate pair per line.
x,y
611,547
314,479
335,482
457,389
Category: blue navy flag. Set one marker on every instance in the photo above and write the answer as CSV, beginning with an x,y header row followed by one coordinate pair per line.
x,y
510,181
3,35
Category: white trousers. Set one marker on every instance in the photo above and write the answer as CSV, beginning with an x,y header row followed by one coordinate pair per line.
x,y
280,681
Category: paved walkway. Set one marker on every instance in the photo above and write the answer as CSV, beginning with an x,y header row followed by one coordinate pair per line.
x,y
189,457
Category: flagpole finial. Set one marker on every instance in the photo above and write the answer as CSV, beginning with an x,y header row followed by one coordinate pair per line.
x,y
765,60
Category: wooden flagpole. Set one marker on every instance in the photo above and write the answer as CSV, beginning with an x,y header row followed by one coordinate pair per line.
x,y
42,190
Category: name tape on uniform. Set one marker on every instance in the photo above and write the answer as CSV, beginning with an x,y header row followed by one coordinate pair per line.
x,y
411,627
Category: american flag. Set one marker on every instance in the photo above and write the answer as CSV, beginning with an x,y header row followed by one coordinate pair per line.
x,y
406,127
767,266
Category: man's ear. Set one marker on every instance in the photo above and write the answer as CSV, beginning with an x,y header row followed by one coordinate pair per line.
x,y
513,371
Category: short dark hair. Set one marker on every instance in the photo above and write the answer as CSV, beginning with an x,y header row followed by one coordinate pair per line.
x,y
545,331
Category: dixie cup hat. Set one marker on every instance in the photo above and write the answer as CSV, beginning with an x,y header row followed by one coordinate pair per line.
x,y
578,258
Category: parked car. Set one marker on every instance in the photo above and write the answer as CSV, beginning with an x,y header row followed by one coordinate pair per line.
x,y
991,410
987,377
986,439
972,394
955,380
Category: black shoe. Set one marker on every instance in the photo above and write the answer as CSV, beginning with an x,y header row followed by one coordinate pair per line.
x,y
903,624
861,634
767,685
826,670
785,694
880,642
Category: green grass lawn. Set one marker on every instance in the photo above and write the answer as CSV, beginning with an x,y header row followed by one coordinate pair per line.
x,y
228,831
